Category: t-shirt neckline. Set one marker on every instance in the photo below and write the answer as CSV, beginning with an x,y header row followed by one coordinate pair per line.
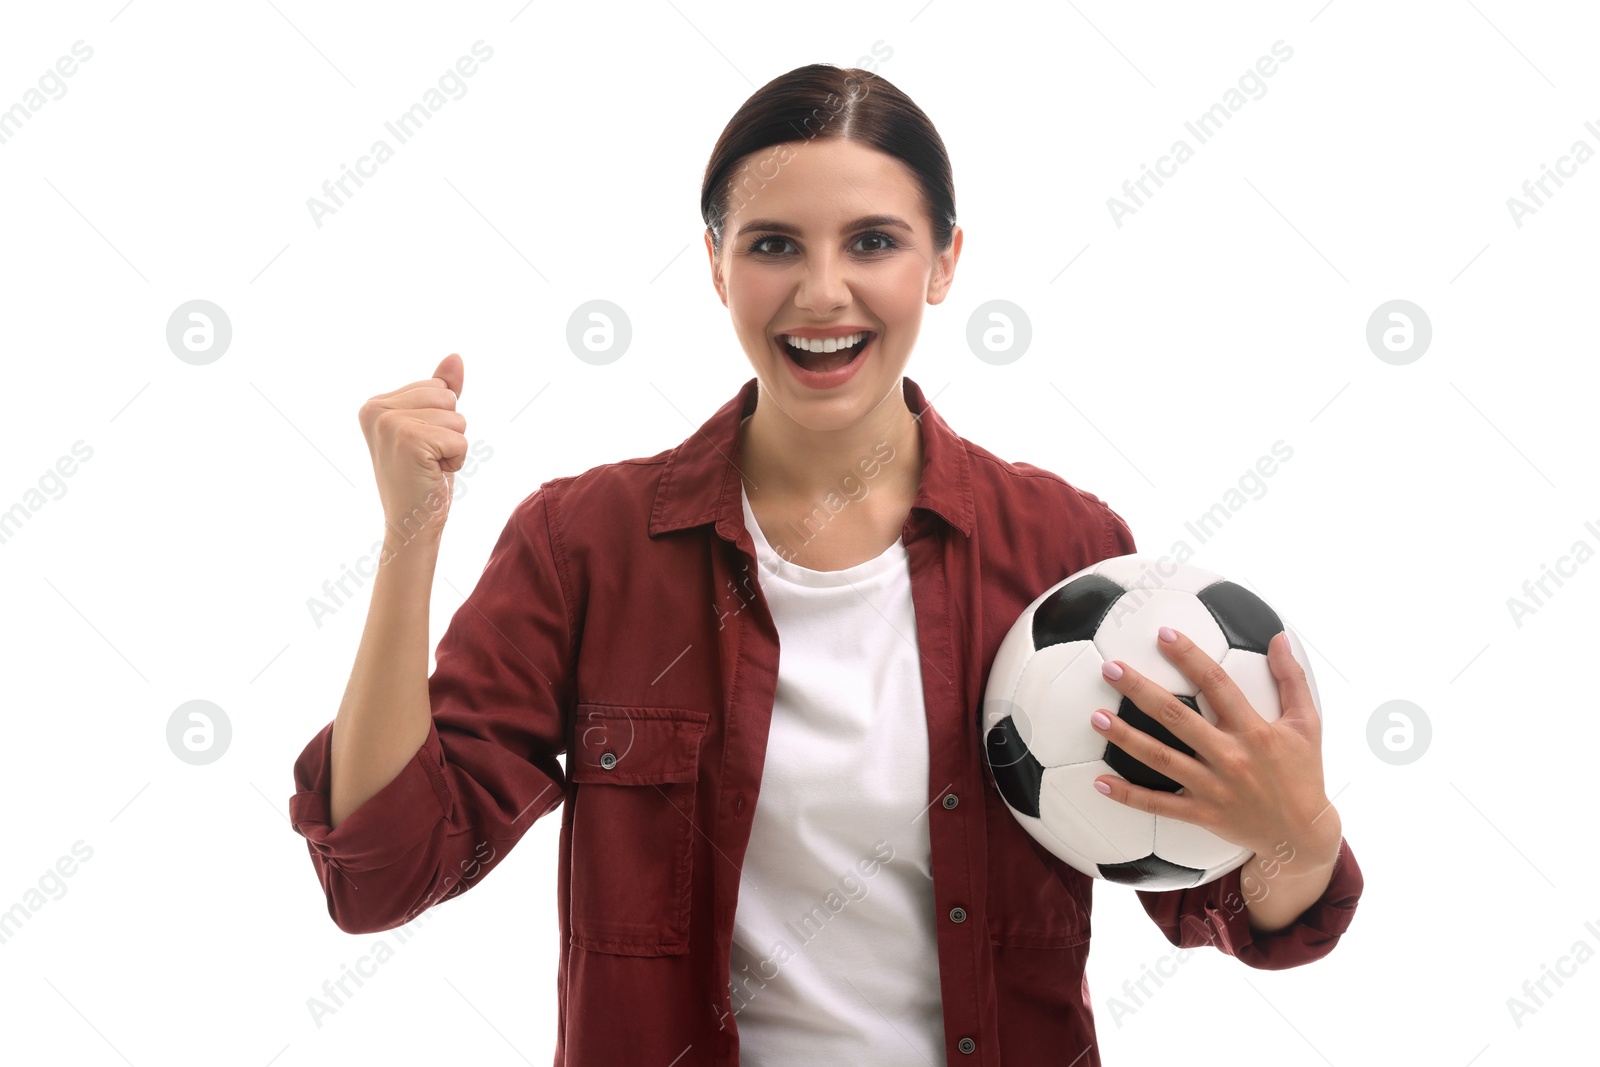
x,y
774,563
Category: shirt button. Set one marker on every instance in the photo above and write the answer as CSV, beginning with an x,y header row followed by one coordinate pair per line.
x,y
966,1044
608,760
950,800
958,915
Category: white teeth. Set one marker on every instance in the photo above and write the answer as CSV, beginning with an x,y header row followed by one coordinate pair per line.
x,y
827,344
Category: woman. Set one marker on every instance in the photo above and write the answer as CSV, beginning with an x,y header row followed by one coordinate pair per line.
x,y
765,858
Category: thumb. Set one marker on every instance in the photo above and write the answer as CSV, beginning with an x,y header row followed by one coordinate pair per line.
x,y
451,371
1294,689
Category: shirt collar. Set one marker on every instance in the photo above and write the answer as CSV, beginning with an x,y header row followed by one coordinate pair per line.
x,y
701,483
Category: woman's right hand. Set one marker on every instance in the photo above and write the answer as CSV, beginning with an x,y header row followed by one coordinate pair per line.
x,y
417,440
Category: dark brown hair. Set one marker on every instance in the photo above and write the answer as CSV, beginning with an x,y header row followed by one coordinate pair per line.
x,y
821,101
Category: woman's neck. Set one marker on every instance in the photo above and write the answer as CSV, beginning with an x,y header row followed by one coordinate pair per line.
x,y
782,459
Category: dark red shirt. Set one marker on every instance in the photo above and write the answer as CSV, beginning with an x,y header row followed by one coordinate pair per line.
x,y
619,621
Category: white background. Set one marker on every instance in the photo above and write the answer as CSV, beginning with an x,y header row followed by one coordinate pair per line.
x,y
1168,355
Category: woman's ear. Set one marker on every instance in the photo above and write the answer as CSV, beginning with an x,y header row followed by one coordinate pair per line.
x,y
716,269
944,269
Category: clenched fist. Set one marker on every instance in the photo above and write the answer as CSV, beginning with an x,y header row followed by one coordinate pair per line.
x,y
417,440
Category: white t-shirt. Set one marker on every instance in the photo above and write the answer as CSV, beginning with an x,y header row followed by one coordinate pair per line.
x,y
833,937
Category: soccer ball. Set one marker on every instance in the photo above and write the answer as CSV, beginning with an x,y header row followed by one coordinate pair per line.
x,y
1045,683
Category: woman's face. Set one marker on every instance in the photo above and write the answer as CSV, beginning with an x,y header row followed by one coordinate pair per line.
x,y
828,234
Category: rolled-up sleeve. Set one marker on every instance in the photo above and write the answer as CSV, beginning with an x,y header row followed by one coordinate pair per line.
x,y
1217,914
501,700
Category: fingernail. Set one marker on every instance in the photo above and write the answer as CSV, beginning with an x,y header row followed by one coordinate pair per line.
x,y
1103,787
1168,634
1101,719
1111,670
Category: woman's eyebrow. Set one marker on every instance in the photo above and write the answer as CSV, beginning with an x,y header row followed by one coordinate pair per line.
x,y
856,224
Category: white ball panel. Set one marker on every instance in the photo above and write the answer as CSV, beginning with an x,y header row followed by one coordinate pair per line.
x,y
1103,830
1193,846
1145,572
1128,633
1006,671
1059,691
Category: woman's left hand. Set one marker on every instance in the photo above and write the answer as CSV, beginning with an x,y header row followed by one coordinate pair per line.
x,y
1252,782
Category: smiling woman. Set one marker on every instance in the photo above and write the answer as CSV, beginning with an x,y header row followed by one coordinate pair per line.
x,y
722,766
825,250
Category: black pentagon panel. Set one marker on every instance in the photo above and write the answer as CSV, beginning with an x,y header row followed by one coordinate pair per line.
x,y
1074,612
1017,772
1151,869
1246,620
1135,771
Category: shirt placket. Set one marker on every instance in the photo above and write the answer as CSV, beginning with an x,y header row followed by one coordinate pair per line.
x,y
749,654
955,808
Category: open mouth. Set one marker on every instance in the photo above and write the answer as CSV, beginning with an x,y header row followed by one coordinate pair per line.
x,y
823,362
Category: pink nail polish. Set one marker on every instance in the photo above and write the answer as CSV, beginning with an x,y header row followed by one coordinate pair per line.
x,y
1168,634
1106,789
1111,670
1101,719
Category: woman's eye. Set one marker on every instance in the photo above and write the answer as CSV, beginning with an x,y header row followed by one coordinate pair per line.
x,y
760,245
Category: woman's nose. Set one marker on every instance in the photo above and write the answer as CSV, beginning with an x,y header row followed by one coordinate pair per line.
x,y
824,285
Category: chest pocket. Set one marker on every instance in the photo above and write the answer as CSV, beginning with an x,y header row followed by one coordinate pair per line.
x,y
634,770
